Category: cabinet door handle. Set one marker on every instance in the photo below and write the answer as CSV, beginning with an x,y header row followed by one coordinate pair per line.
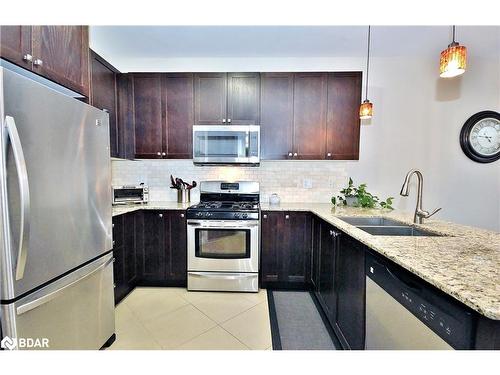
x,y
160,215
329,154
287,217
28,57
228,120
113,242
289,154
182,215
264,216
223,120
295,154
163,154
158,153
38,62
113,225
331,232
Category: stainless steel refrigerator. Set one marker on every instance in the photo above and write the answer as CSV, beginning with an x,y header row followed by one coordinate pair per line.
x,y
56,264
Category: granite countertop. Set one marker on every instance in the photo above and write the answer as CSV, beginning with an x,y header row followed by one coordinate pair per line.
x,y
158,205
464,263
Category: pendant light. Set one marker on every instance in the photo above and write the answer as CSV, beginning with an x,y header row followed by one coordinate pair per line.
x,y
366,108
453,59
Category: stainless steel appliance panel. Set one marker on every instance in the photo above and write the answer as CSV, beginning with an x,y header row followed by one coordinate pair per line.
x,y
390,326
57,201
244,263
75,312
223,281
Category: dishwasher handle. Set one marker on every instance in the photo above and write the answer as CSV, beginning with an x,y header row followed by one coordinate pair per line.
x,y
376,269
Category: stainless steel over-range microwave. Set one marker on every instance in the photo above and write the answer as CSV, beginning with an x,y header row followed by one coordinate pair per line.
x,y
226,144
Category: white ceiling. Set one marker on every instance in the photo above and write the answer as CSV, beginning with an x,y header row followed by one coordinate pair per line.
x,y
126,43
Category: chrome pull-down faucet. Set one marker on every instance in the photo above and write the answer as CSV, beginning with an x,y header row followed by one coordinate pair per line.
x,y
420,213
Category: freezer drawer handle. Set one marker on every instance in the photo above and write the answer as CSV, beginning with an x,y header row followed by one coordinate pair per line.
x,y
48,297
22,175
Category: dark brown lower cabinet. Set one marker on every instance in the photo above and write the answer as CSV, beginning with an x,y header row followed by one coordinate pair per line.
x,y
152,255
176,246
338,279
150,249
286,249
124,252
350,292
325,290
162,257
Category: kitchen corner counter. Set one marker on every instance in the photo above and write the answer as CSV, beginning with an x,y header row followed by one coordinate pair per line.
x,y
158,205
464,263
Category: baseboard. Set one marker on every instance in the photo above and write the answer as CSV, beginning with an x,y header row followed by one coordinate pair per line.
x,y
159,283
284,285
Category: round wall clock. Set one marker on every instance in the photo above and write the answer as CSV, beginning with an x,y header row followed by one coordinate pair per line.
x,y
480,137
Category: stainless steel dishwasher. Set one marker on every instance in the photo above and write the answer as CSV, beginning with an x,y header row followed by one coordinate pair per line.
x,y
405,312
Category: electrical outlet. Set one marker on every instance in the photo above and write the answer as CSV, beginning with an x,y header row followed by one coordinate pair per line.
x,y
307,183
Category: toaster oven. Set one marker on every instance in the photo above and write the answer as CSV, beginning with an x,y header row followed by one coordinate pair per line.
x,y
130,194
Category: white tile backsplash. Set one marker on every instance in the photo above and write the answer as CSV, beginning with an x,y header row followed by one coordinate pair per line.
x,y
286,178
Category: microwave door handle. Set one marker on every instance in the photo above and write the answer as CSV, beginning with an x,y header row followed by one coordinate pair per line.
x,y
22,175
247,143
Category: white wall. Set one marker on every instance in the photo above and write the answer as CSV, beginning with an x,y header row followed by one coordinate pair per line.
x,y
416,124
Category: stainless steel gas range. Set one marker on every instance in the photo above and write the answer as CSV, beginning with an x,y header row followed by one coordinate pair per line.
x,y
223,237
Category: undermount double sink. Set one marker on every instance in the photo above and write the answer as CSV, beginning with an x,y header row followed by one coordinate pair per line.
x,y
381,226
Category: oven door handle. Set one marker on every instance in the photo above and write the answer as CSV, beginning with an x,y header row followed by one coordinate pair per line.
x,y
229,225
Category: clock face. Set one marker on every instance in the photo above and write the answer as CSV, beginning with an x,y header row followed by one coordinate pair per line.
x,y
480,137
485,137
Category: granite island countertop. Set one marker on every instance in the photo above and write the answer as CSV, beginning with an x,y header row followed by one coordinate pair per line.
x,y
464,263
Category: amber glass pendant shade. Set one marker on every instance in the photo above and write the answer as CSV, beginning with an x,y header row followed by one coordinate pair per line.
x,y
366,110
453,61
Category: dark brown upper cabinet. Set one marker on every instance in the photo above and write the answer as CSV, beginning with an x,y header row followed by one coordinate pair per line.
x,y
309,116
227,98
243,98
15,45
125,116
163,115
276,132
210,98
104,96
342,130
178,111
59,53
148,116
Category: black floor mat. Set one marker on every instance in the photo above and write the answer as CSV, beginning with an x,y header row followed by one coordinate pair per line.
x,y
296,323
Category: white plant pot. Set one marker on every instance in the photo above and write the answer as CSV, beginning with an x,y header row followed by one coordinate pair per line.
x,y
351,201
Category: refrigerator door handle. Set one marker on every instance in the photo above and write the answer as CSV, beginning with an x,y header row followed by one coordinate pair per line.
x,y
22,175
49,297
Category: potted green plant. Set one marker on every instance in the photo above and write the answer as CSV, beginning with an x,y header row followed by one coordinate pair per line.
x,y
360,197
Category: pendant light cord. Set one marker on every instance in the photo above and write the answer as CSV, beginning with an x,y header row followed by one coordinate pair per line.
x,y
453,28
367,63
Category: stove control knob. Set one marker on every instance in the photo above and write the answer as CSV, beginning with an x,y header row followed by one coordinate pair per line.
x,y
236,215
244,216
199,214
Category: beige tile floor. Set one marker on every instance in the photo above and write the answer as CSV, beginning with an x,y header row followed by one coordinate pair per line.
x,y
173,318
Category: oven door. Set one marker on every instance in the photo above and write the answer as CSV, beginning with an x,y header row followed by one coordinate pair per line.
x,y
223,246
226,144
